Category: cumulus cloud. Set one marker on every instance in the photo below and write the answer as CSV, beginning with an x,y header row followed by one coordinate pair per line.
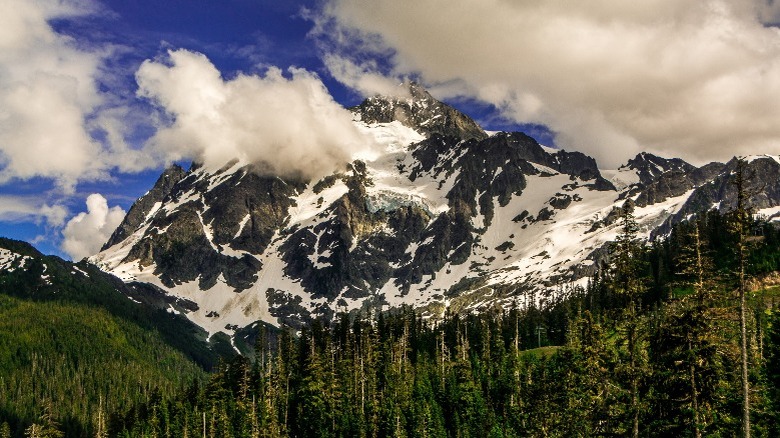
x,y
86,232
685,78
23,209
51,103
47,87
287,126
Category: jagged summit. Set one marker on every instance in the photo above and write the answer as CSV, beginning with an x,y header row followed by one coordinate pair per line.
x,y
446,217
414,107
649,167
719,192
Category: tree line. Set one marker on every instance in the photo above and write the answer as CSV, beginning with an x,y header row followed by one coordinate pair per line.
x,y
653,346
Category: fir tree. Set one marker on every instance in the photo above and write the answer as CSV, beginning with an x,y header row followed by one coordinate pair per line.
x,y
591,361
772,371
628,284
101,431
694,323
46,427
741,223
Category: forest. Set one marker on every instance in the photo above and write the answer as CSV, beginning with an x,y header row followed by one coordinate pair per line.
x,y
652,347
677,337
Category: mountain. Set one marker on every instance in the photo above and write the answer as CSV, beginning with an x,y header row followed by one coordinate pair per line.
x,y
446,217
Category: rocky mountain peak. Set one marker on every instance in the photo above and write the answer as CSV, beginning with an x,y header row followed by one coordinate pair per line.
x,y
417,91
141,208
650,167
416,108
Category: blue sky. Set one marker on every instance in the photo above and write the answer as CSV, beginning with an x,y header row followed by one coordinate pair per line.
x,y
92,99
237,36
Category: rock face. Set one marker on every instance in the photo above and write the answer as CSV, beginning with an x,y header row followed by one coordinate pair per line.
x,y
675,183
762,174
419,110
186,230
143,206
447,216
650,167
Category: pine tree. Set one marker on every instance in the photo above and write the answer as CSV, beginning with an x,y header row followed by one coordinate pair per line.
x,y
426,419
687,370
592,360
283,373
772,371
741,222
47,426
699,268
314,403
627,283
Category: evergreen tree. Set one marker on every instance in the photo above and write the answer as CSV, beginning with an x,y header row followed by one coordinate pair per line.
x,y
628,284
101,430
46,427
772,372
688,371
741,223
313,399
591,363
426,418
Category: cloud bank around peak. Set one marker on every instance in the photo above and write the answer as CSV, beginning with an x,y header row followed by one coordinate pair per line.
x,y
700,80
287,126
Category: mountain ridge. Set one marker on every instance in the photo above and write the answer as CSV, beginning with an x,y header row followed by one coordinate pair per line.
x,y
446,217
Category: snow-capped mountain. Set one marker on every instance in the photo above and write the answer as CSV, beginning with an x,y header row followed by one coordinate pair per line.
x,y
446,216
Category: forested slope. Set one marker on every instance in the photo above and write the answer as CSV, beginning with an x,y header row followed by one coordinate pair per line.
x,y
79,363
74,347
651,347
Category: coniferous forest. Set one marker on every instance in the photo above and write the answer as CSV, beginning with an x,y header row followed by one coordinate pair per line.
x,y
663,341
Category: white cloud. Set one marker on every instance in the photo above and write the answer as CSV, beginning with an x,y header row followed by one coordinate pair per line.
x,y
47,87
365,78
86,232
50,102
288,126
23,209
685,78
54,214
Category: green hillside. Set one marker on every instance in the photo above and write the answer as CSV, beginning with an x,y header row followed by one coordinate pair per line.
x,y
77,344
76,360
49,278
